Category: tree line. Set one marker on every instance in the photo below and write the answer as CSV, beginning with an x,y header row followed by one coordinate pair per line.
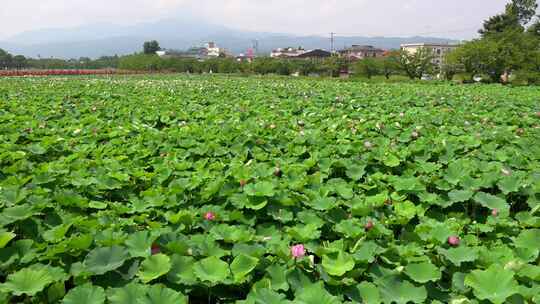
x,y
9,61
509,43
17,62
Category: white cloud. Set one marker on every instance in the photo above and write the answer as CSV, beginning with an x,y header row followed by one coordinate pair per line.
x,y
458,18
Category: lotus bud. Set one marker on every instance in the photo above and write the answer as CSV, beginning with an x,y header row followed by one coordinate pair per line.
x,y
298,251
209,216
453,241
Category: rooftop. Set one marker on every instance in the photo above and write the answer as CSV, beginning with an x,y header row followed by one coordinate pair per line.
x,y
357,47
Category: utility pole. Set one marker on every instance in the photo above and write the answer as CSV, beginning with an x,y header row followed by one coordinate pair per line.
x,y
332,42
255,44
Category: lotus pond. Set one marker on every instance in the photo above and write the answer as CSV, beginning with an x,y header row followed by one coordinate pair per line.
x,y
214,189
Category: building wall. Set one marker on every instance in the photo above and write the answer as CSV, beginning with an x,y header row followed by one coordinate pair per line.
x,y
439,51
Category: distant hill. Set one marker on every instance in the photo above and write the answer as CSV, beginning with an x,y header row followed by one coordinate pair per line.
x,y
101,39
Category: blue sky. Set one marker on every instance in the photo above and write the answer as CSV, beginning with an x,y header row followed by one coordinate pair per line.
x,y
447,18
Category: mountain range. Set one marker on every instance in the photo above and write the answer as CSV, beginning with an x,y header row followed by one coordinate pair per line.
x,y
103,39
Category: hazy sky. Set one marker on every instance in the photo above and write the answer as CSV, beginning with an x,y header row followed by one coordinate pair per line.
x,y
445,18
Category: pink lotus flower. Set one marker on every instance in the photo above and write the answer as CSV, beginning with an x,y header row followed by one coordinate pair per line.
x,y
209,216
298,251
495,212
369,225
453,241
155,249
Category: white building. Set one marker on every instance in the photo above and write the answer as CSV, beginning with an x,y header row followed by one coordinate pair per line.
x,y
213,50
439,50
287,52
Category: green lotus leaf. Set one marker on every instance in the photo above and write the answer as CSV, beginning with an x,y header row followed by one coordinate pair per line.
x,y
423,272
17,213
315,293
344,190
377,200
232,234
458,282
5,237
212,270
395,290
458,196
391,160
37,149
509,184
266,296
56,234
182,270
159,294
530,271
85,294
351,228
337,263
322,203
255,202
278,277
367,252
13,194
495,284
154,267
97,205
356,172
408,184
369,293
131,293
139,244
263,188
304,233
405,211
31,280
529,239
491,201
431,230
460,254
242,265
454,173
102,260
55,292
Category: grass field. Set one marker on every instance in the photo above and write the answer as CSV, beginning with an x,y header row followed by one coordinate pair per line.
x,y
214,189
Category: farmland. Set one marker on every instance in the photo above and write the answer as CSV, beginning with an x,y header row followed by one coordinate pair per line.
x,y
213,189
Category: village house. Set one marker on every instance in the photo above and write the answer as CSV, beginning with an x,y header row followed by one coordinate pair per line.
x,y
439,50
299,53
248,56
357,52
194,53
210,50
287,52
213,51
315,54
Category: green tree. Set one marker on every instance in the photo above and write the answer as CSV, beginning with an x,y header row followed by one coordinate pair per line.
x,y
19,62
416,64
140,62
306,67
389,64
523,10
498,54
517,14
367,67
151,47
534,29
333,66
5,59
